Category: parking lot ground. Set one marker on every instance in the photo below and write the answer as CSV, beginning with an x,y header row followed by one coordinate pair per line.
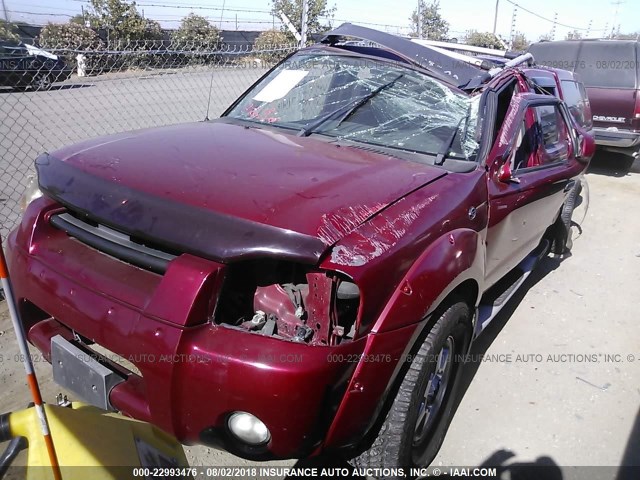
x,y
553,380
560,381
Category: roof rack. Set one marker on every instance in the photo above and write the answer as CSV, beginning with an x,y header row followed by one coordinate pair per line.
x,y
514,62
438,62
461,46
464,71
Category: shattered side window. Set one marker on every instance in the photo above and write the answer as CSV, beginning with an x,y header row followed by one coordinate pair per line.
x,y
364,100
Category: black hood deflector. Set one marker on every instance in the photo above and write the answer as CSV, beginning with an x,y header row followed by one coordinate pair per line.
x,y
174,225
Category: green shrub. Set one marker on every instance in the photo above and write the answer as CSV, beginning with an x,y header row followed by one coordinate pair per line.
x,y
7,31
272,46
69,36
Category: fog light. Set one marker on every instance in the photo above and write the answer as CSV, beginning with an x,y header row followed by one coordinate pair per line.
x,y
248,428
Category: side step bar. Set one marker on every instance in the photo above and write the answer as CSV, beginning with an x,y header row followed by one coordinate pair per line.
x,y
497,296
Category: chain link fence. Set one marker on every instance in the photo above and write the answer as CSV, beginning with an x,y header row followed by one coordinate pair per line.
x,y
58,96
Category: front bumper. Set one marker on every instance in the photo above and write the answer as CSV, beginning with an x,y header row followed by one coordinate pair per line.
x,y
193,373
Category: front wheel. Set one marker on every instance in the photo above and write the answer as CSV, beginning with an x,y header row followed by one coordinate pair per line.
x,y
419,416
572,216
42,81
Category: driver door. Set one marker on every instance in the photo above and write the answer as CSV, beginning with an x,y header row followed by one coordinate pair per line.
x,y
528,176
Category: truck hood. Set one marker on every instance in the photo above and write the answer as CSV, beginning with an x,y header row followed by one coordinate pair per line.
x,y
226,191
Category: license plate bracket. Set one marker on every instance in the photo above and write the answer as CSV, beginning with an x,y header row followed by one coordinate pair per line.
x,y
80,373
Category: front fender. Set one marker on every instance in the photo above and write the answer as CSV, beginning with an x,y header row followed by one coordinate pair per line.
x,y
452,259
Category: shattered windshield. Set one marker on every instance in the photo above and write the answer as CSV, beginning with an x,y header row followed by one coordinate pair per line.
x,y
364,100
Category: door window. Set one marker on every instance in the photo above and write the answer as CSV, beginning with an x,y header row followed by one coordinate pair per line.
x,y
543,140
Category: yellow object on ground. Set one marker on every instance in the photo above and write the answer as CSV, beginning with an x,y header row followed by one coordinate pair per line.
x,y
94,444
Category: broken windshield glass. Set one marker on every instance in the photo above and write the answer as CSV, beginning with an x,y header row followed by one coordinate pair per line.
x,y
395,106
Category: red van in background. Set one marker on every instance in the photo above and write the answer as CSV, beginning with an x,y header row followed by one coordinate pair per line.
x,y
609,70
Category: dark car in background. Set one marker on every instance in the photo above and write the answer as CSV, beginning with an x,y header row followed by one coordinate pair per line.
x,y
23,66
609,70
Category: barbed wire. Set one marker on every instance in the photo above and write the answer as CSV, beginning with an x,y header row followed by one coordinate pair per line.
x,y
554,21
274,20
41,13
225,9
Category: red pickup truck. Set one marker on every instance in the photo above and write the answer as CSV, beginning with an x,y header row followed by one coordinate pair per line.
x,y
304,274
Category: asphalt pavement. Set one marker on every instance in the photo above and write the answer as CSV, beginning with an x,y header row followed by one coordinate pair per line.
x,y
33,122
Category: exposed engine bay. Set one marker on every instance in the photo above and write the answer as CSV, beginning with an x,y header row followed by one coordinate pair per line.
x,y
290,302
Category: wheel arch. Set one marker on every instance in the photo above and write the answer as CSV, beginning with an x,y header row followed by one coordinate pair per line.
x,y
461,279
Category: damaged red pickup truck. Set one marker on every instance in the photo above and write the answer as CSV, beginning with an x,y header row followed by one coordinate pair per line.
x,y
303,274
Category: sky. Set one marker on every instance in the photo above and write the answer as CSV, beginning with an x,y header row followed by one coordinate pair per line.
x,y
588,16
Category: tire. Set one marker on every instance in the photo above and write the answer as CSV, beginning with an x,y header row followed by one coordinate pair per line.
x,y
413,432
564,240
42,82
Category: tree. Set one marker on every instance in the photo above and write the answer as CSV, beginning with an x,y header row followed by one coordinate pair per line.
x,y
122,21
574,35
273,45
520,42
152,30
7,31
293,9
483,39
69,36
196,31
627,36
433,26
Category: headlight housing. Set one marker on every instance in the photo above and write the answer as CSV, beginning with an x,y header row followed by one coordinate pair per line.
x,y
31,193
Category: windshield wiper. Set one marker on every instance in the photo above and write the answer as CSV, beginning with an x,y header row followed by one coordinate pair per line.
x,y
348,109
446,145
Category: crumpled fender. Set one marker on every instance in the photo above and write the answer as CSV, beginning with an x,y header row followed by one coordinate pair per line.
x,y
451,259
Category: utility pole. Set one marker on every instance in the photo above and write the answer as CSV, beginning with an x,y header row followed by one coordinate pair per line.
x,y
617,4
222,13
512,33
495,18
290,26
6,14
419,26
303,24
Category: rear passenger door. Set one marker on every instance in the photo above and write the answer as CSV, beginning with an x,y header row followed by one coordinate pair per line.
x,y
528,176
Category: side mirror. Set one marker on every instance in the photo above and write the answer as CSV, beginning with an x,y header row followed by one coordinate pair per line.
x,y
505,174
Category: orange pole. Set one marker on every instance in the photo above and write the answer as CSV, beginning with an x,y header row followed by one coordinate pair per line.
x,y
32,382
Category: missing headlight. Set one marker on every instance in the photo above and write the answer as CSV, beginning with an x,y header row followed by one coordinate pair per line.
x,y
291,302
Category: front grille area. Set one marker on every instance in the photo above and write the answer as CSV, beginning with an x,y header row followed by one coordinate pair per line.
x,y
117,244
